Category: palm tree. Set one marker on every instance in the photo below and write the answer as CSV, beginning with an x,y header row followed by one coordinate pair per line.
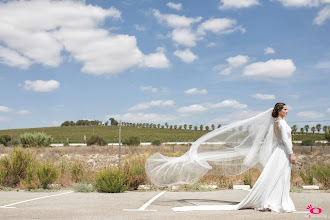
x,y
307,128
158,125
294,129
318,127
207,127
325,128
201,127
171,126
302,130
166,124
180,127
313,129
195,128
213,126
219,125
162,127
175,126
185,126
190,127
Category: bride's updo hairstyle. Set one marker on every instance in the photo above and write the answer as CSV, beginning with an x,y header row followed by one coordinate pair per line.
x,y
277,108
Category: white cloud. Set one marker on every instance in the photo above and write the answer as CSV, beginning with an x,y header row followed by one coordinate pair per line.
x,y
328,110
141,117
156,60
192,108
39,31
186,55
264,96
310,114
195,91
241,115
12,58
148,88
323,65
146,105
3,119
41,86
238,60
218,26
139,27
272,68
175,21
23,112
233,62
227,103
322,16
300,3
184,36
176,6
228,4
269,50
56,123
5,109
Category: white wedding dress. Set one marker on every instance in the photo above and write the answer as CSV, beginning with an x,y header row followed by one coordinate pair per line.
x,y
271,190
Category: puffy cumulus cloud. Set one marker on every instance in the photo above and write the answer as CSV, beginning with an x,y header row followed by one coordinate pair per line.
x,y
233,62
148,88
41,86
3,118
5,109
176,6
229,4
192,108
300,3
185,55
323,15
219,26
146,105
238,60
12,58
23,112
184,36
264,96
141,117
39,31
279,68
156,60
227,103
241,115
269,50
310,114
195,91
175,21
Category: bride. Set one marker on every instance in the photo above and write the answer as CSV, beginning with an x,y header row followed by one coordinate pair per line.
x,y
260,142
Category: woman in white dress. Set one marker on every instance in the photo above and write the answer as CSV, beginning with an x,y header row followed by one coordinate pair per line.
x,y
260,142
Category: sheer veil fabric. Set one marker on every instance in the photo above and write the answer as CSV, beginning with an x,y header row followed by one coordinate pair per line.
x,y
229,150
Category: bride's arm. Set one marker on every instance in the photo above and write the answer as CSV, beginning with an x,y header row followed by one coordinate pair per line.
x,y
284,135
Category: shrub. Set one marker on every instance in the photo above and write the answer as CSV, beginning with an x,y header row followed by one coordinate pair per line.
x,y
31,180
110,181
37,139
83,187
327,135
96,140
47,174
3,174
77,171
156,142
308,142
133,141
5,139
231,185
307,176
247,179
322,174
16,164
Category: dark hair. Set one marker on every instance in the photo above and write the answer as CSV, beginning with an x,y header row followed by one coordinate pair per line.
x,y
277,108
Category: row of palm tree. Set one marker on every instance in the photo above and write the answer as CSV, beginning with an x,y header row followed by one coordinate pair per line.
x,y
167,126
317,128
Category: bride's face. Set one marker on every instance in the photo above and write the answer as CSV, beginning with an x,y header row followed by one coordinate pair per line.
x,y
284,112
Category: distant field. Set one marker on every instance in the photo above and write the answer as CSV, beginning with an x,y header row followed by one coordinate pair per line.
x,y
110,133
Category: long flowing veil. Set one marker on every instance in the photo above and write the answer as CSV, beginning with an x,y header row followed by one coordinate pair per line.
x,y
229,150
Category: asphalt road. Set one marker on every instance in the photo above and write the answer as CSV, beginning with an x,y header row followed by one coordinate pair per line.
x,y
146,205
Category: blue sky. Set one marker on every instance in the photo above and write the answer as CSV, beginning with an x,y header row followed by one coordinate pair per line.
x,y
194,62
